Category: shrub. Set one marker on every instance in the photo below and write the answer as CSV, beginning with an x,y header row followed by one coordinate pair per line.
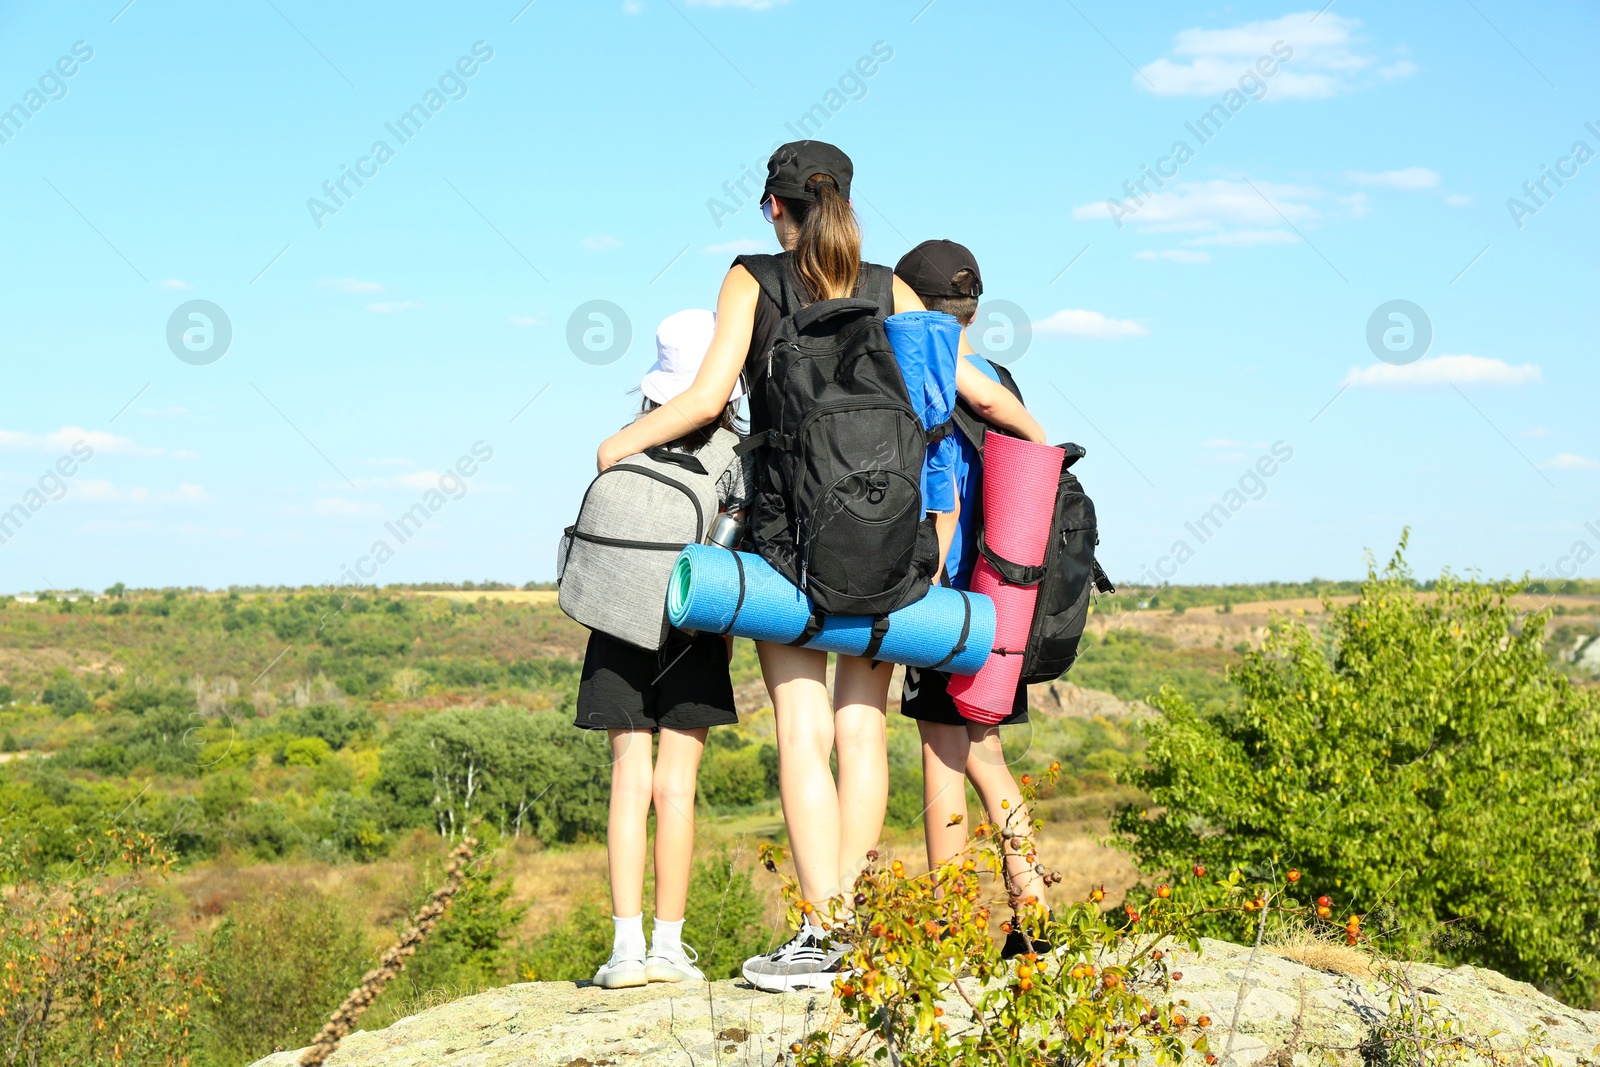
x,y
305,752
88,974
278,965
733,777
1423,753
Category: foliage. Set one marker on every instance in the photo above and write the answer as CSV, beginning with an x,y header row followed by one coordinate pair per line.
x,y
65,694
278,965
336,725
1423,754
519,772
88,974
1104,994
1133,665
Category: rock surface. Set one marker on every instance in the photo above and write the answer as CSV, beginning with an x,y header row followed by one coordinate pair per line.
x,y
559,1024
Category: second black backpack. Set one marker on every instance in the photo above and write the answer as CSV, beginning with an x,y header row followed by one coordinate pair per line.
x,y
840,511
1069,575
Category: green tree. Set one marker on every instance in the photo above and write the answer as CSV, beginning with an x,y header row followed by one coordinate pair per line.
x,y
520,772
65,694
1421,758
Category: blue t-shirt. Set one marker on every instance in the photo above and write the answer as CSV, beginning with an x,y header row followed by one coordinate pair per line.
x,y
964,543
925,345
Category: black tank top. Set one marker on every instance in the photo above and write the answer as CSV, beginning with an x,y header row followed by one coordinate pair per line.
x,y
873,281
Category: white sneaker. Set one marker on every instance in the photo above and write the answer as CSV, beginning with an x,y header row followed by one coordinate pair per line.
x,y
805,961
673,965
620,972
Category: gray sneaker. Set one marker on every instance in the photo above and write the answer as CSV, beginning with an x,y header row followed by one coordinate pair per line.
x,y
805,961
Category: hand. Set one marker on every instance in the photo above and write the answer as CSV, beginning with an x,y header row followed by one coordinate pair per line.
x,y
607,455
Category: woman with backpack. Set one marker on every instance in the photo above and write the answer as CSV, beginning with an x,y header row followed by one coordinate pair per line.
x,y
831,825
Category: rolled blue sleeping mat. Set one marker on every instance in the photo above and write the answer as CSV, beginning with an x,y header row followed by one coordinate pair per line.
x,y
714,590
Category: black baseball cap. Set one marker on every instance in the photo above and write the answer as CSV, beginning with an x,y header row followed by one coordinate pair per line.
x,y
792,164
930,269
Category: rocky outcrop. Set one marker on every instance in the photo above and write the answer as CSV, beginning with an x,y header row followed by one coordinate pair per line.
x,y
1286,1013
1076,702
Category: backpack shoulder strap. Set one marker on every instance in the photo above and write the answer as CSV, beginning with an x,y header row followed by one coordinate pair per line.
x,y
771,273
878,286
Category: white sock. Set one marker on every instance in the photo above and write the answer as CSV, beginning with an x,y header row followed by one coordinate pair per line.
x,y
666,938
627,939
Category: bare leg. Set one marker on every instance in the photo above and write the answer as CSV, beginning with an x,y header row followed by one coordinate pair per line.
x,y
630,809
795,679
859,697
677,763
986,767
944,789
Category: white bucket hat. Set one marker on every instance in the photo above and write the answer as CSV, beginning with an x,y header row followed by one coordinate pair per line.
x,y
681,343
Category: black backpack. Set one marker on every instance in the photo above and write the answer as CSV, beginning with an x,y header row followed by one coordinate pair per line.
x,y
1069,574
840,509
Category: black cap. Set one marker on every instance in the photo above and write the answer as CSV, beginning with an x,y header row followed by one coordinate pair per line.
x,y
930,269
792,164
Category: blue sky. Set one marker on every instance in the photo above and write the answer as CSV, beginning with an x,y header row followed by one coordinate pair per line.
x,y
577,152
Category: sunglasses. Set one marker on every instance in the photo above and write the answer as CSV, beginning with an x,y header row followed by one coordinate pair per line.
x,y
766,207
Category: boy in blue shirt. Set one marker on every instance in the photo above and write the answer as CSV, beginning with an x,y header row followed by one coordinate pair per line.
x,y
945,276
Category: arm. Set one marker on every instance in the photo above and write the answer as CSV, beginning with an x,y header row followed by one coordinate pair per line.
x,y
944,525
705,398
995,404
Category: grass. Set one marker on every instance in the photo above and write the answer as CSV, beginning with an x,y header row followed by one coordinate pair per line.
x,y
1320,952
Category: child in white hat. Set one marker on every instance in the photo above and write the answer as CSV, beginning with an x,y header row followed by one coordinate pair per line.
x,y
678,693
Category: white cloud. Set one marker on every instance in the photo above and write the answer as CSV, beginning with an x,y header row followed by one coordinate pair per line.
x,y
1458,200
1211,206
743,247
1323,60
1247,238
394,307
601,240
175,283
1175,255
748,5
1077,322
98,489
418,479
632,7
351,285
338,506
1568,461
1442,370
63,439
525,320
1536,431
1406,178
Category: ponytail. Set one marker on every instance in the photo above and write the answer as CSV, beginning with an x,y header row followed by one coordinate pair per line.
x,y
827,249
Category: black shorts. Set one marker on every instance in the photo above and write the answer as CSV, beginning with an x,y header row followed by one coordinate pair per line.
x,y
926,698
683,687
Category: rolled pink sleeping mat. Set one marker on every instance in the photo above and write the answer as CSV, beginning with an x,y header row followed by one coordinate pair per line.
x,y
1019,499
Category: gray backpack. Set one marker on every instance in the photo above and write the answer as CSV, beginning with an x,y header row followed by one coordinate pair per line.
x,y
615,561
